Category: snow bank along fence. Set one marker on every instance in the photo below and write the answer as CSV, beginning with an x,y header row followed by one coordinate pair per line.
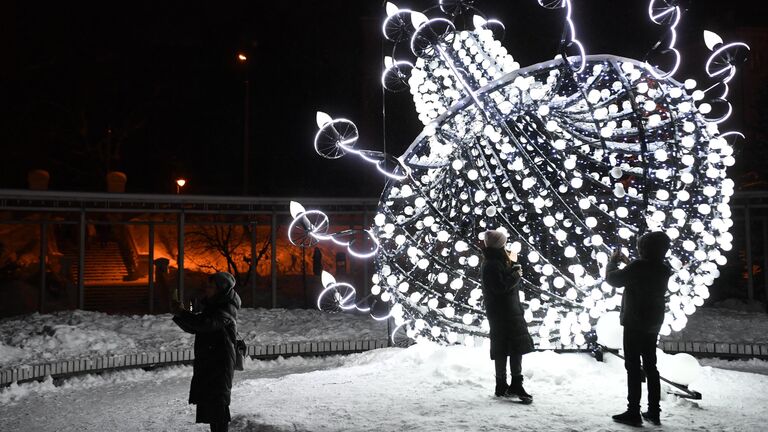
x,y
716,349
67,368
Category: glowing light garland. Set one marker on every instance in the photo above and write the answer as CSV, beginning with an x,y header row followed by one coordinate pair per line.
x,y
571,157
662,12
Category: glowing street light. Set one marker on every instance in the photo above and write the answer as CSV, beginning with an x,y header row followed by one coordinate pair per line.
x,y
180,184
243,59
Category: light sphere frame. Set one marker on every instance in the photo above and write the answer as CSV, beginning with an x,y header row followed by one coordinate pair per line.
x,y
572,158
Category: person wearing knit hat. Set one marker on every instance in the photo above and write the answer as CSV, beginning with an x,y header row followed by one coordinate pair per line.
x,y
495,239
214,325
510,339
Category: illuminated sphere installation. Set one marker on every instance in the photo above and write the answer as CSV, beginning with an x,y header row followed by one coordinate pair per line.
x,y
571,157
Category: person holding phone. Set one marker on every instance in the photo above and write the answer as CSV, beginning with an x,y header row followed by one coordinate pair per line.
x,y
214,324
642,313
501,275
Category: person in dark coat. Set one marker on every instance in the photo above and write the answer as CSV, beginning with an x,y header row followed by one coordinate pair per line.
x,y
642,314
509,332
215,328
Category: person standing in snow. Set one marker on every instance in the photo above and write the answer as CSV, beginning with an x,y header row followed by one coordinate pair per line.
x,y
215,327
509,332
642,313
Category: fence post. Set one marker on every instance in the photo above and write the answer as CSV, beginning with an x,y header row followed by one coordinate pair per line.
x,y
81,262
180,257
366,279
43,256
253,264
274,259
765,258
750,276
151,267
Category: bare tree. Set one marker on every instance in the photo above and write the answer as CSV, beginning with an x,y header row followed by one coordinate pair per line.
x,y
230,243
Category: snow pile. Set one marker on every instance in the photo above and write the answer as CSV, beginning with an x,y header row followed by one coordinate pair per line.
x,y
741,305
749,365
724,325
16,392
432,388
9,354
40,338
270,326
68,335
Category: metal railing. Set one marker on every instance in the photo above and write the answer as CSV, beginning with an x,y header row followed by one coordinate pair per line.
x,y
59,208
97,364
750,230
90,365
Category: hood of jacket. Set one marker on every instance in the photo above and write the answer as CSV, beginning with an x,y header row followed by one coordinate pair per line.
x,y
225,294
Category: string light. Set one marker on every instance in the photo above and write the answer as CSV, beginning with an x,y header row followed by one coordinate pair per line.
x,y
571,158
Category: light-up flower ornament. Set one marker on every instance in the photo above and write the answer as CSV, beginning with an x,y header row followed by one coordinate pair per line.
x,y
572,157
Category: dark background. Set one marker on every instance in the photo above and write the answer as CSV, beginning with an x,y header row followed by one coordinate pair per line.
x,y
153,88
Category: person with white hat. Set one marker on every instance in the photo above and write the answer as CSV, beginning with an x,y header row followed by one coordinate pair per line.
x,y
510,339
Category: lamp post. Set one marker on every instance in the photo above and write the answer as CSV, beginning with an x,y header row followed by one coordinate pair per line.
x,y
243,60
180,184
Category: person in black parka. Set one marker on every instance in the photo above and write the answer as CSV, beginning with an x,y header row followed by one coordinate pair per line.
x,y
509,332
642,314
215,328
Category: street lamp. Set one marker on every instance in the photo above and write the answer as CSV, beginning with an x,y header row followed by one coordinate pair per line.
x,y
243,59
180,184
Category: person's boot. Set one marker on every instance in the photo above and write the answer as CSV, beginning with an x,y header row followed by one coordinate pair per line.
x,y
501,387
652,416
516,389
629,417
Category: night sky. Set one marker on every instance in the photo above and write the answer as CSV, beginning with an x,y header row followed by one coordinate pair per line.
x,y
153,88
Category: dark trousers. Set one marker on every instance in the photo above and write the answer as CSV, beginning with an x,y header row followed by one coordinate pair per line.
x,y
637,345
220,427
515,366
215,414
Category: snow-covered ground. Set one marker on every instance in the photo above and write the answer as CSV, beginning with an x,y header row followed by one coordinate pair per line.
x,y
424,387
42,338
724,325
743,365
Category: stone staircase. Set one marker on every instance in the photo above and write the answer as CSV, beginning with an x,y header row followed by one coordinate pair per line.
x,y
105,287
103,265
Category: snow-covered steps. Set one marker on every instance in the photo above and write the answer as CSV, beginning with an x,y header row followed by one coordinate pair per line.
x,y
67,368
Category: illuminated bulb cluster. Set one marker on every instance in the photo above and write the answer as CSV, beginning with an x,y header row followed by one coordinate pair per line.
x,y
436,87
571,162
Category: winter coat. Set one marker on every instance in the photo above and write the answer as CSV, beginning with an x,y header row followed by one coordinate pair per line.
x,y
645,285
214,327
509,331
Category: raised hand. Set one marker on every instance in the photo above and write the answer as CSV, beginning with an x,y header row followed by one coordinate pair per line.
x,y
512,256
618,256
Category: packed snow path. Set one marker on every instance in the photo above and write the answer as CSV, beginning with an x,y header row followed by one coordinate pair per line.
x,y
424,388
131,400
